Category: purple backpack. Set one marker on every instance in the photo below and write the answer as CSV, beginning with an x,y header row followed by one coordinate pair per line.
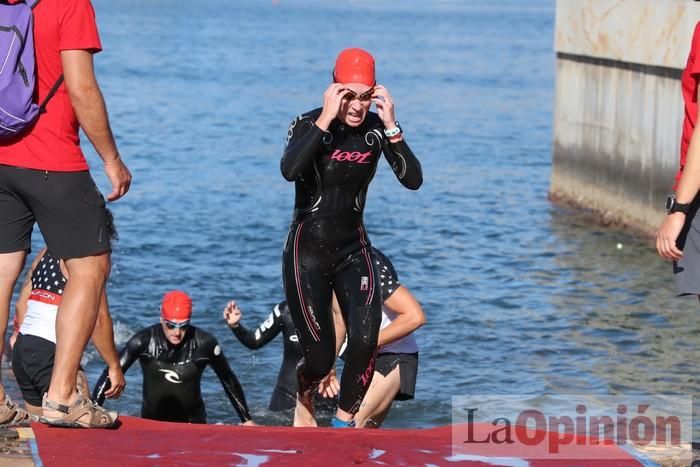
x,y
18,110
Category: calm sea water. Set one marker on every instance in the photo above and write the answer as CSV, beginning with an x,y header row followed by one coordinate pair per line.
x,y
521,296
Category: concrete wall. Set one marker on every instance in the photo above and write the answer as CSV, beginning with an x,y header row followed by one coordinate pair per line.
x,y
618,109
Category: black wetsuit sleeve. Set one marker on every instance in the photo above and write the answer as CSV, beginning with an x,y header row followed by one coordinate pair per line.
x,y
228,379
129,354
404,163
263,334
303,144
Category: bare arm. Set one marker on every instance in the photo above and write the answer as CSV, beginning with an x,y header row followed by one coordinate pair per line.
x,y
103,339
329,385
410,316
91,111
339,324
688,187
129,354
689,184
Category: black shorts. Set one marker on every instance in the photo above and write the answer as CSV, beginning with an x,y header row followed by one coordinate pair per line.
x,y
686,272
32,364
408,371
68,207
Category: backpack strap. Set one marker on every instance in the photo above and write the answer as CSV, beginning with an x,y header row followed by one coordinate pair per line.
x,y
42,108
52,91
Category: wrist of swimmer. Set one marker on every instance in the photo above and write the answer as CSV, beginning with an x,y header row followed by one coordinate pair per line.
x,y
323,123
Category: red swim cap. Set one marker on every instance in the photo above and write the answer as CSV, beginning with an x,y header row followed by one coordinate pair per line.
x,y
354,66
176,306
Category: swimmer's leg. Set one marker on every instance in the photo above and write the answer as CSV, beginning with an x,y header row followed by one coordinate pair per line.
x,y
308,290
357,290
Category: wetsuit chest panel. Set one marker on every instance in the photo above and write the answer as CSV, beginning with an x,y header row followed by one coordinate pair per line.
x,y
348,160
172,373
171,379
343,168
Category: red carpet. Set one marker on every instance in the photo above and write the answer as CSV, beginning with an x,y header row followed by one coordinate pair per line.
x,y
145,442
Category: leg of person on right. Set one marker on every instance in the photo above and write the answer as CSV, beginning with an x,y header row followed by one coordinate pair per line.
x,y
359,297
63,405
378,400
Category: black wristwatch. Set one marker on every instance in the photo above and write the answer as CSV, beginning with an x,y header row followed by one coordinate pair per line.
x,y
673,206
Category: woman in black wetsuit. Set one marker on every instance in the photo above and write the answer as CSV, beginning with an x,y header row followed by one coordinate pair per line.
x,y
331,155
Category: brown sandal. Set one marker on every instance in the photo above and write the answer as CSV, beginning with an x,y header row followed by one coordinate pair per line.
x,y
12,414
83,413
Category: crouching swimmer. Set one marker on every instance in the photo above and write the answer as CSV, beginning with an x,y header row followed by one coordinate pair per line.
x,y
173,355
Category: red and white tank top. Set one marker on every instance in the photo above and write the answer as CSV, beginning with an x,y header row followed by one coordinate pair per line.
x,y
48,283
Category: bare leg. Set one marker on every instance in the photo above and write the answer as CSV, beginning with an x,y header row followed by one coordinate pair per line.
x,y
75,323
304,410
11,265
82,384
377,420
33,410
379,397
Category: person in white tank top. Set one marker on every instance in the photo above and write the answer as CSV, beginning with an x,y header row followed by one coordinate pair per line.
x,y
33,341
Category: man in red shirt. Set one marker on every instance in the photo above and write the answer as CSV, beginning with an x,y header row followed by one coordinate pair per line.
x,y
677,239
44,178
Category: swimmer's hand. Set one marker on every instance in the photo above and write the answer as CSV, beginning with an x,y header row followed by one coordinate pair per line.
x,y
329,386
13,339
232,314
385,106
117,383
248,423
332,99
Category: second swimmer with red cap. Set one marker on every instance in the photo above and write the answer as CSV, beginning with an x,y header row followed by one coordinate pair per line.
x,y
331,155
173,355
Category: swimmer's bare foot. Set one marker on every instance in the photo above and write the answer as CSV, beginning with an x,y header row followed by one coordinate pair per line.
x,y
304,410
